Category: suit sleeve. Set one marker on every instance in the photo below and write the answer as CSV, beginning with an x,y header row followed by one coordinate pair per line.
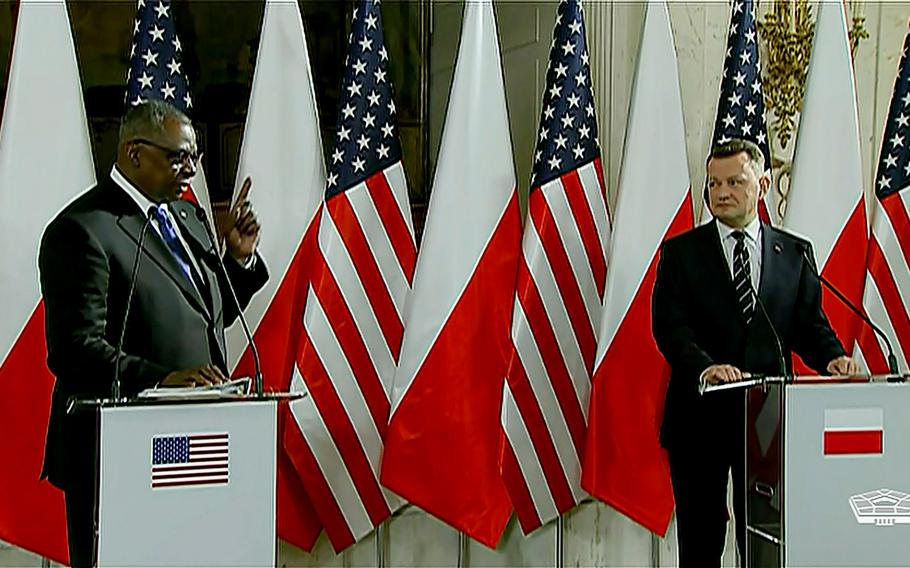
x,y
813,339
75,278
671,325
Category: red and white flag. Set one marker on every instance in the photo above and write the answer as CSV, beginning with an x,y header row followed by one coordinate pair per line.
x,y
362,266
43,119
624,464
825,203
853,431
282,153
887,291
559,293
442,443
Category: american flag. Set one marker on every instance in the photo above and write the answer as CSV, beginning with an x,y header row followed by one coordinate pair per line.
x,y
741,107
156,69
888,262
190,459
363,266
156,72
560,289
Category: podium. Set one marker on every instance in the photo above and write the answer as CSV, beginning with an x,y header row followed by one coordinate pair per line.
x,y
187,482
827,471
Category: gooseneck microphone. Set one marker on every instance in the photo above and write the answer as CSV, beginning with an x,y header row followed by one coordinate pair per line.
x,y
892,360
782,362
137,260
257,380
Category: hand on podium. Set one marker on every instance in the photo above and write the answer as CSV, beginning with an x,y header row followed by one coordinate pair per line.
x,y
843,365
202,376
717,374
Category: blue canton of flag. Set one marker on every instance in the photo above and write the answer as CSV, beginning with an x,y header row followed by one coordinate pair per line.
x,y
568,127
366,139
741,109
894,162
155,70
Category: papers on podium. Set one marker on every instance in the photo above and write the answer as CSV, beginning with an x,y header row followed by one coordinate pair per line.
x,y
231,389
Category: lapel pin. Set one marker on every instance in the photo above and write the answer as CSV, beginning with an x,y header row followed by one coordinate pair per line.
x,y
777,248
183,214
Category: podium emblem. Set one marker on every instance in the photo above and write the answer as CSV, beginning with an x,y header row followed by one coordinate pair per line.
x,y
882,508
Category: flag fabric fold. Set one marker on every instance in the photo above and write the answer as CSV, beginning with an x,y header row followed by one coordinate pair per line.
x,y
362,265
624,464
825,203
282,154
442,443
741,106
43,118
559,291
888,260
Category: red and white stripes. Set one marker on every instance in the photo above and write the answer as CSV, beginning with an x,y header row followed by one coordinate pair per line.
x,y
558,302
349,349
888,283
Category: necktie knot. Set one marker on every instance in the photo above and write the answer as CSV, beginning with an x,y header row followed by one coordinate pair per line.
x,y
739,236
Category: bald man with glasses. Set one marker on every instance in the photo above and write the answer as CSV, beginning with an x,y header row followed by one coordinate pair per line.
x,y
174,335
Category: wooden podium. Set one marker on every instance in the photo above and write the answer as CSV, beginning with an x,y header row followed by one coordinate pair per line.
x,y
828,471
185,482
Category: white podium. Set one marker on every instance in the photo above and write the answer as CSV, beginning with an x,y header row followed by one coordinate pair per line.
x,y
827,471
187,484
846,474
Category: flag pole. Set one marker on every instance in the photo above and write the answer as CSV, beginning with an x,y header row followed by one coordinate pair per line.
x,y
462,549
560,541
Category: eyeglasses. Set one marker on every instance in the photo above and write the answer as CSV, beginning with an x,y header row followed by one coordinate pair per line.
x,y
177,158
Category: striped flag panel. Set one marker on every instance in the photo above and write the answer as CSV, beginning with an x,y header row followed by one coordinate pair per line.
x,y
363,265
559,295
888,260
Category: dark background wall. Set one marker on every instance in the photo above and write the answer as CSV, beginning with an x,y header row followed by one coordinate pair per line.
x,y
220,40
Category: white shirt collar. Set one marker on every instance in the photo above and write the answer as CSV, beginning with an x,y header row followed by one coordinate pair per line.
x,y
752,230
143,202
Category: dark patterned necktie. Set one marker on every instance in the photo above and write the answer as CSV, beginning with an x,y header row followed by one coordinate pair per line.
x,y
169,234
742,277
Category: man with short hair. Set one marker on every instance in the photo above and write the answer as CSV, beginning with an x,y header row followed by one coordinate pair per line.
x,y
708,324
174,335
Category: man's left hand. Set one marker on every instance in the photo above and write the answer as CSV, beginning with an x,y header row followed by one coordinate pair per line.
x,y
843,365
242,229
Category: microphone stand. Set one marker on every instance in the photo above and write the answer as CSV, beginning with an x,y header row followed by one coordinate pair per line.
x,y
257,379
115,386
892,360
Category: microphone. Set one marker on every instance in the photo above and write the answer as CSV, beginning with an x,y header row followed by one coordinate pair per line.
x,y
782,362
115,387
257,380
892,360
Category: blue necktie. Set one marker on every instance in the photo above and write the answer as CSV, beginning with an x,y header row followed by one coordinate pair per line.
x,y
169,234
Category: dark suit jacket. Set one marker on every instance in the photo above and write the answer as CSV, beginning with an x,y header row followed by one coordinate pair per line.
x,y
697,322
85,261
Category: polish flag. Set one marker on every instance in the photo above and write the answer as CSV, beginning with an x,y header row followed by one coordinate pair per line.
x,y
825,203
442,443
853,431
43,121
282,153
624,464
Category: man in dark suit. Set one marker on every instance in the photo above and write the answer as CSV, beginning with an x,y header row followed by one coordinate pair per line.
x,y
711,329
174,335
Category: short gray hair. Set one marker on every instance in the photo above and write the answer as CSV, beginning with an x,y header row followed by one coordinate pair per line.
x,y
737,146
149,118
